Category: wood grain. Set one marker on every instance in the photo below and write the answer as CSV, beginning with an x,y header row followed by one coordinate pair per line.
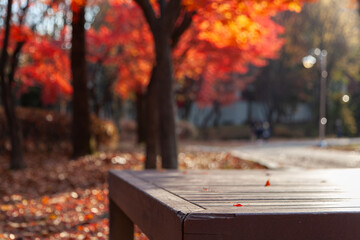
x,y
298,204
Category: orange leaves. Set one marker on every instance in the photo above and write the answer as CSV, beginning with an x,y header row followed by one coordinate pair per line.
x,y
127,46
19,34
231,24
258,6
237,23
88,216
295,6
47,65
226,36
45,200
53,216
227,24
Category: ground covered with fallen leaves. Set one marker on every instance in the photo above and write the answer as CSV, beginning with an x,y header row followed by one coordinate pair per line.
x,y
55,198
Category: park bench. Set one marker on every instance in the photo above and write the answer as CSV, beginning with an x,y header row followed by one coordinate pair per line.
x,y
233,204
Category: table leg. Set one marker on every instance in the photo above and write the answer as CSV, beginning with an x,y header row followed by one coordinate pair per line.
x,y
121,227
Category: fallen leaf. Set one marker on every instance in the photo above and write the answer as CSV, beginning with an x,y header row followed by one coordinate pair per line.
x,y
45,200
267,184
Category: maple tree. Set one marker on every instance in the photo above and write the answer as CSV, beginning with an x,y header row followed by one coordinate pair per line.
x,y
47,65
7,92
42,64
225,24
131,60
248,36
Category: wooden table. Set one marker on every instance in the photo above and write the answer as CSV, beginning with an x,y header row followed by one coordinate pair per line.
x,y
231,204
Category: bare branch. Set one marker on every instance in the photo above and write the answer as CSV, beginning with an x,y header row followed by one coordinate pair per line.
x,y
24,10
181,28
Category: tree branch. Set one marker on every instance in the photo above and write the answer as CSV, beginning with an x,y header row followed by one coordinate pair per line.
x,y
181,28
148,11
24,10
162,5
4,53
178,61
171,14
15,62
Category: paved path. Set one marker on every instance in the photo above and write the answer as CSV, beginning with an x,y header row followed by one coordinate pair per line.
x,y
293,154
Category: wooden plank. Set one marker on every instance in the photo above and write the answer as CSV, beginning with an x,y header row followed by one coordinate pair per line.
x,y
157,212
273,226
271,196
304,191
310,204
121,227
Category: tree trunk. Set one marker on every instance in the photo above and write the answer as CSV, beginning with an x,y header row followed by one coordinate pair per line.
x,y
8,98
16,155
152,123
81,113
17,159
166,35
166,100
141,117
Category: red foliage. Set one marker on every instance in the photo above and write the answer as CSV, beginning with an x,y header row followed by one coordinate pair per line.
x,y
43,62
267,184
225,37
126,46
47,65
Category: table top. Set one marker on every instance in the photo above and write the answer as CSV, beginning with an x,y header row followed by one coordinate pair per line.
x,y
203,195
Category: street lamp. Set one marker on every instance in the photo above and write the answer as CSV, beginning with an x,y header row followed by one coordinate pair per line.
x,y
346,98
308,62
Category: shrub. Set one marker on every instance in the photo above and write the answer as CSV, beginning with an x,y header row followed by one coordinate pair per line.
x,y
186,130
347,116
45,130
288,131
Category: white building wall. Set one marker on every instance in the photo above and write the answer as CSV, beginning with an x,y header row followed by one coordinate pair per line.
x,y
237,114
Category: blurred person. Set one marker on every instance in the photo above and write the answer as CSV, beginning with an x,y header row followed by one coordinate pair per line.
x,y
266,131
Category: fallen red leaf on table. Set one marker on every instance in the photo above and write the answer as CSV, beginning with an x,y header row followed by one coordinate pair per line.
x,y
267,184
